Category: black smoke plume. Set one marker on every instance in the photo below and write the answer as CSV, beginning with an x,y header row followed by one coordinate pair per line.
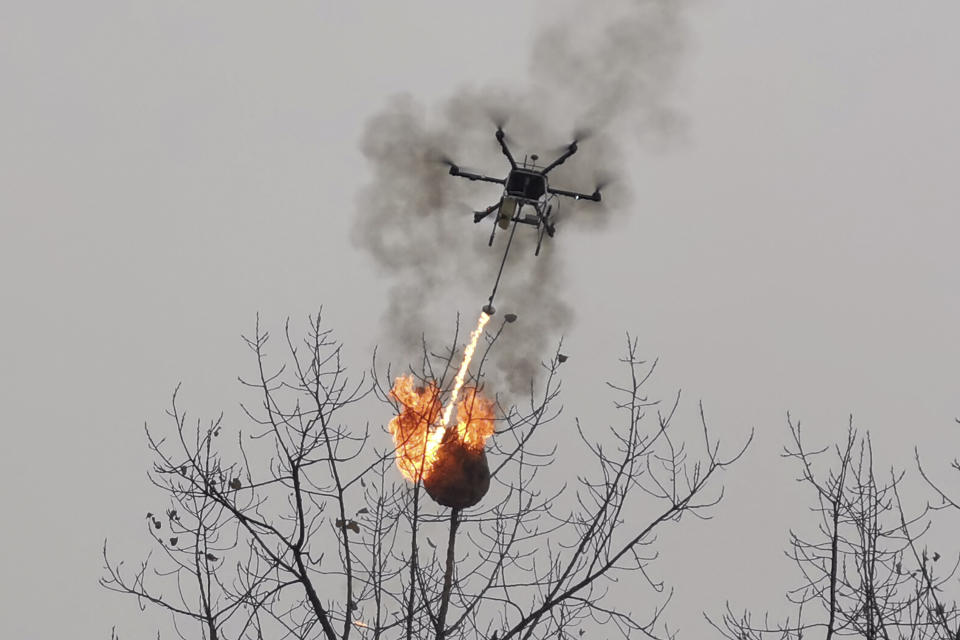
x,y
600,71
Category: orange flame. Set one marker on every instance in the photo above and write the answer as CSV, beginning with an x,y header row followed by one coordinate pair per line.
x,y
421,426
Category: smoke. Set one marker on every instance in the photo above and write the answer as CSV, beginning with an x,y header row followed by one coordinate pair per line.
x,y
602,72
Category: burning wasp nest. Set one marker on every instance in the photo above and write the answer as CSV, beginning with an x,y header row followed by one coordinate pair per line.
x,y
449,459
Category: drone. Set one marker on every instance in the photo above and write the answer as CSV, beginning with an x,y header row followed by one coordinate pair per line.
x,y
525,186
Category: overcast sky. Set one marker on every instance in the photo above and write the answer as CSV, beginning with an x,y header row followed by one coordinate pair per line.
x,y
169,169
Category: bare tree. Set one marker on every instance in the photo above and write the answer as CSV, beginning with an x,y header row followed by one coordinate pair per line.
x,y
305,529
946,616
863,572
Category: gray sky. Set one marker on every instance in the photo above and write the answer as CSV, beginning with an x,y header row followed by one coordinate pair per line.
x,y
168,169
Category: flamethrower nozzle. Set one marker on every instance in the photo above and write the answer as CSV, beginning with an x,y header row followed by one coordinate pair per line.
x,y
488,309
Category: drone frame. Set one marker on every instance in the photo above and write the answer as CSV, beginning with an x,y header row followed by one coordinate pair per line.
x,y
525,185
535,192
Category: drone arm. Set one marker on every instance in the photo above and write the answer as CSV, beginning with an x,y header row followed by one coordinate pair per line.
x,y
506,151
456,171
572,149
595,196
480,215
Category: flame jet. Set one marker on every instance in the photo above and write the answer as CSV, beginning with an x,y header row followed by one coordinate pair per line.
x,y
464,366
420,432
525,186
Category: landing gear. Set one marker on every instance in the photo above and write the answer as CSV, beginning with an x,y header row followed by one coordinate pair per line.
x,y
545,226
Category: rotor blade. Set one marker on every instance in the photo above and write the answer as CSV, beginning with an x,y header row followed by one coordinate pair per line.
x,y
461,208
580,134
456,169
498,116
603,180
445,159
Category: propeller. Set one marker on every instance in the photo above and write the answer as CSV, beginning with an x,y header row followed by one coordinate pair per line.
x,y
602,181
497,116
444,159
580,134
461,208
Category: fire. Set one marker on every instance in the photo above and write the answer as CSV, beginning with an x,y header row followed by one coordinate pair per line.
x,y
464,365
421,427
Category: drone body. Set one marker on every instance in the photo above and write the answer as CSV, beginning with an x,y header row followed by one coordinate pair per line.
x,y
527,185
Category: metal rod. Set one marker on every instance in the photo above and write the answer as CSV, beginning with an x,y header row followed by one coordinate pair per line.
x,y
504,260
